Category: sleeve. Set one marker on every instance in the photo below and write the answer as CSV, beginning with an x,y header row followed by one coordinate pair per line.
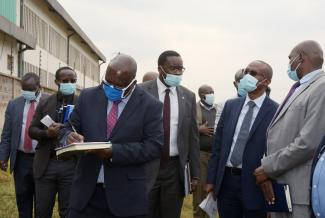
x,y
216,148
304,145
6,134
149,148
194,153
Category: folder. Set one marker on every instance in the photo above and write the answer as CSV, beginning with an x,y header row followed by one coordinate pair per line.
x,y
282,199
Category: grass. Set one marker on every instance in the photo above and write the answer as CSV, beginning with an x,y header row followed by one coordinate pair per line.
x,y
8,207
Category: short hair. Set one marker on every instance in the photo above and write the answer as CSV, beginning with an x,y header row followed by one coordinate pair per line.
x,y
57,72
29,76
163,56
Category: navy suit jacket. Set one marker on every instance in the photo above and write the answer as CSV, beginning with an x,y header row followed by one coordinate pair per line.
x,y
137,138
255,148
11,132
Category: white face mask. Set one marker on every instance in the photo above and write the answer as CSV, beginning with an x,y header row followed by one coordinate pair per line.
x,y
29,95
209,99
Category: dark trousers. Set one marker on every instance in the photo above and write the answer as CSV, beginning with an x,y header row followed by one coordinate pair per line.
x,y
97,207
24,184
57,179
230,202
166,197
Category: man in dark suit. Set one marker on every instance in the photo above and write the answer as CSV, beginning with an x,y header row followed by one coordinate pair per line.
x,y
53,176
112,182
239,146
181,141
18,146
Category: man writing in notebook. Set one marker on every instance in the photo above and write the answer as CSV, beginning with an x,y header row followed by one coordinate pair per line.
x,y
112,182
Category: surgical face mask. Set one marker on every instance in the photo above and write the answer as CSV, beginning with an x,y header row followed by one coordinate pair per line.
x,y
209,99
247,84
29,95
67,88
293,73
113,93
171,79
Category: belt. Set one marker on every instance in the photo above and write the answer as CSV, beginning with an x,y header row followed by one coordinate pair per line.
x,y
234,170
26,154
174,157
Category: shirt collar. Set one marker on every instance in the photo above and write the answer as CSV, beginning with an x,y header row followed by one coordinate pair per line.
x,y
37,99
258,101
310,76
206,107
162,87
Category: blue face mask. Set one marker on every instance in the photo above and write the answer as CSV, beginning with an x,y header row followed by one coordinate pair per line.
x,y
171,79
293,73
209,99
247,84
29,95
67,88
113,93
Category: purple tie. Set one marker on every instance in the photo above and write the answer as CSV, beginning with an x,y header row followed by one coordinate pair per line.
x,y
292,90
112,118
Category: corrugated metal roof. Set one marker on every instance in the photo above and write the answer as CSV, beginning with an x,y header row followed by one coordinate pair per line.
x,y
56,6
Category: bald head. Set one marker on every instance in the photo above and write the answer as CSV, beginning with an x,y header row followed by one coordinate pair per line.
x,y
149,76
121,70
266,69
311,51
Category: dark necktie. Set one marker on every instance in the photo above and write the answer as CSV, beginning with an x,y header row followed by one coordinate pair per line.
x,y
112,118
28,144
166,125
290,93
237,153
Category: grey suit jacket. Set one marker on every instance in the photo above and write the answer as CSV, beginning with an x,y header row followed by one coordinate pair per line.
x,y
10,137
293,137
188,134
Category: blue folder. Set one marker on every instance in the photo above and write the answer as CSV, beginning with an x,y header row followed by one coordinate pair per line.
x,y
282,199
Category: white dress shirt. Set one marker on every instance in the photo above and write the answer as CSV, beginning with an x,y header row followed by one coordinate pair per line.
x,y
173,149
23,127
308,77
258,104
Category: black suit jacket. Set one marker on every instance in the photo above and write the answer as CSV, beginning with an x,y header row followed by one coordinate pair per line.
x,y
38,131
253,153
136,139
187,134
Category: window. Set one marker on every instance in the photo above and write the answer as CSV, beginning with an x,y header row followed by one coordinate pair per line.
x,y
10,63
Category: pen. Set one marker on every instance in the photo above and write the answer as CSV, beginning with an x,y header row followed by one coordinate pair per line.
x,y
72,126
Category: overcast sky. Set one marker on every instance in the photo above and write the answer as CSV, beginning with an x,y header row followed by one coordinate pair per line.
x,y
214,37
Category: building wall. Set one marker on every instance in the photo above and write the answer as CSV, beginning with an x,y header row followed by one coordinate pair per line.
x,y
8,55
8,10
51,52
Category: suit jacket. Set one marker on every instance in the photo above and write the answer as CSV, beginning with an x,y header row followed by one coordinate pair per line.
x,y
38,131
255,149
137,138
293,137
188,134
11,133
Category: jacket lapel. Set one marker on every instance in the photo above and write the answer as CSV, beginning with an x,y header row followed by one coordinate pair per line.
x,y
181,107
261,114
235,115
101,111
131,105
301,89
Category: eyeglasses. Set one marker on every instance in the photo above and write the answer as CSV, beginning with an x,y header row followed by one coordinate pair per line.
x,y
175,69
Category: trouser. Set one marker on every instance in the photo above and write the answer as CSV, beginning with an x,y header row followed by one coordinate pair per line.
x,y
24,184
199,194
298,211
97,207
230,203
57,179
167,195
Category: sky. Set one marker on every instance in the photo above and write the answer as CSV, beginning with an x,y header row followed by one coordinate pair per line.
x,y
214,37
